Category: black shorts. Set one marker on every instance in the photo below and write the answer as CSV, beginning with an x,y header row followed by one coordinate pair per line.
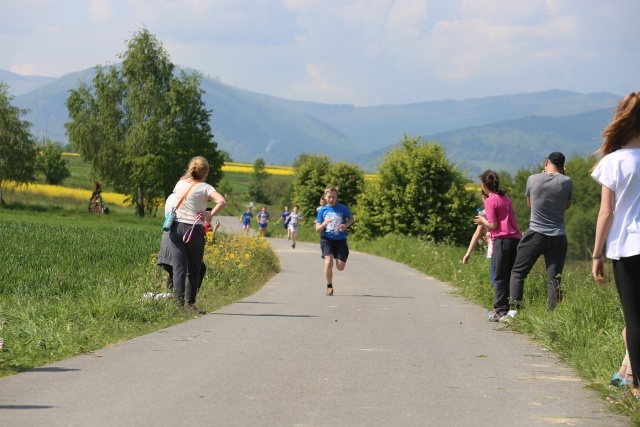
x,y
337,248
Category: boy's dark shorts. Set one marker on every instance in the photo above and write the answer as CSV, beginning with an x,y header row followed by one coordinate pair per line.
x,y
337,248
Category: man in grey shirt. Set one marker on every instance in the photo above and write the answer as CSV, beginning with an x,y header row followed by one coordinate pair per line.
x,y
548,196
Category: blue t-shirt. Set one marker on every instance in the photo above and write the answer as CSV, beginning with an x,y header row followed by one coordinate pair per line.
x,y
285,217
246,217
339,214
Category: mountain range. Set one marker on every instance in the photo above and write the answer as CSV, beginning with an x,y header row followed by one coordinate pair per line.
x,y
502,132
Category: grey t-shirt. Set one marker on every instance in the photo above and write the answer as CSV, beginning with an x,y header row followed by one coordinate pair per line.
x,y
549,194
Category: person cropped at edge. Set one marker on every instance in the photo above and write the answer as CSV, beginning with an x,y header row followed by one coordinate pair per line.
x,y
548,196
500,220
618,224
187,256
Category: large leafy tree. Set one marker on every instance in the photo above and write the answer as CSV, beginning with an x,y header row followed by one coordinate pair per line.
x,y
419,192
139,124
17,149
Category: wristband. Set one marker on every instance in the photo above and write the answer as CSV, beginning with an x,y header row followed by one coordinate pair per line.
x,y
597,257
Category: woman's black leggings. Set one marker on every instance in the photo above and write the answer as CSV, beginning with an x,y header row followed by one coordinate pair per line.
x,y
187,260
626,272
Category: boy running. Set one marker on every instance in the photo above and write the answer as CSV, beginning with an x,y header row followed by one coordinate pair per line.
x,y
285,217
332,223
263,219
294,223
246,220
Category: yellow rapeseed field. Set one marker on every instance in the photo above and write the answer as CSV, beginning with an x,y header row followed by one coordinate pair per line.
x,y
74,193
248,168
119,199
273,170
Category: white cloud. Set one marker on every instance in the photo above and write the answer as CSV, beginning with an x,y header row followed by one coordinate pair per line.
x,y
101,11
26,69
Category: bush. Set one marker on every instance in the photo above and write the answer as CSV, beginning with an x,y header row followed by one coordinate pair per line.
x,y
419,192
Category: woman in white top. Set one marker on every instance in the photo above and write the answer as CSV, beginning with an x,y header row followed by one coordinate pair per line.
x,y
187,247
618,171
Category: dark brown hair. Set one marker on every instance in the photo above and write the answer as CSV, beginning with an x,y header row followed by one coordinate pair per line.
x,y
624,127
492,181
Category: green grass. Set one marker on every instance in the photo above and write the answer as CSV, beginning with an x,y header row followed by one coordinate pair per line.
x,y
72,285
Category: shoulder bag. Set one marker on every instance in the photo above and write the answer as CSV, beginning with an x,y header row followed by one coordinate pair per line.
x,y
171,216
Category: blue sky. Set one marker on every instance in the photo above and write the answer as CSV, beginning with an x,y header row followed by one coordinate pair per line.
x,y
362,52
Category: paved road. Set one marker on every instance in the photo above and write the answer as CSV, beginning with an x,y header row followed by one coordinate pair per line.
x,y
391,347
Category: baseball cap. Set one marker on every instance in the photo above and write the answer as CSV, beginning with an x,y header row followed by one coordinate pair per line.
x,y
557,158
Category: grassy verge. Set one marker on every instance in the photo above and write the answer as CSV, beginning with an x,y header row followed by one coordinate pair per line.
x,y
584,330
68,286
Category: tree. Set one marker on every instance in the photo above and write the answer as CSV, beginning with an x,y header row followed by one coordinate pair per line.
x,y
350,180
280,189
52,165
225,188
138,125
226,157
257,190
518,198
581,218
17,149
309,181
419,192
313,172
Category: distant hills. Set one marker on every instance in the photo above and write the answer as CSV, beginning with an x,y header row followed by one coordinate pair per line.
x,y
23,84
512,144
502,132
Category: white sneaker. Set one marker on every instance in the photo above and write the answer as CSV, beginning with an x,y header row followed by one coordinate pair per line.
x,y
509,316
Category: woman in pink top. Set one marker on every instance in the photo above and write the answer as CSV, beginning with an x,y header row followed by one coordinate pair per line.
x,y
500,220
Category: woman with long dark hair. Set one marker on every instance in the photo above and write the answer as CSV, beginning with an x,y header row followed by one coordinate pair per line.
x,y
500,220
618,171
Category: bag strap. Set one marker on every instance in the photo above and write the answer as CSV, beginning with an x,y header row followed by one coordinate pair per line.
x,y
187,236
185,195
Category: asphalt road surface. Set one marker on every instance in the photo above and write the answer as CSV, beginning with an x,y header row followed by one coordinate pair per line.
x,y
392,347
